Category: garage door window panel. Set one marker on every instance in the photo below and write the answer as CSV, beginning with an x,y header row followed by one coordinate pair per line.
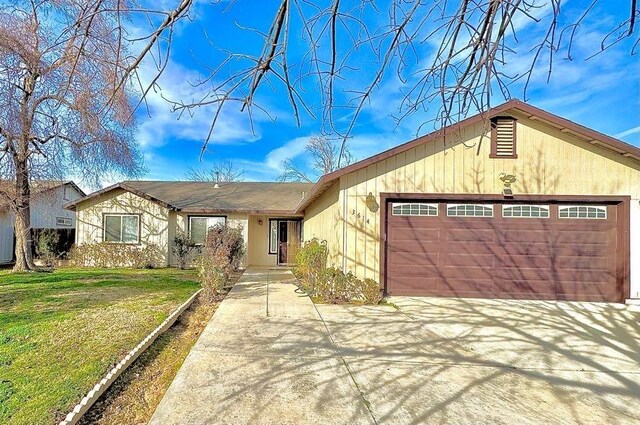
x,y
469,210
583,212
414,209
525,211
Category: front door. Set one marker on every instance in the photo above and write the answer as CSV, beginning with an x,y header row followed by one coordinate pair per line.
x,y
289,235
283,238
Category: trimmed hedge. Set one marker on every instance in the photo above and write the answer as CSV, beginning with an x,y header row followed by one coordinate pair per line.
x,y
107,254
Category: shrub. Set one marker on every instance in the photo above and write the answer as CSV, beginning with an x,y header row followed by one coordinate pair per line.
x,y
370,292
182,248
47,246
329,284
333,286
104,254
311,260
222,253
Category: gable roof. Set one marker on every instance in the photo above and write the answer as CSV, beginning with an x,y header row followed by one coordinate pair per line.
x,y
38,187
566,126
205,197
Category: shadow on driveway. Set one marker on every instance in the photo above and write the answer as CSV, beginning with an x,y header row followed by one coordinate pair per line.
x,y
269,356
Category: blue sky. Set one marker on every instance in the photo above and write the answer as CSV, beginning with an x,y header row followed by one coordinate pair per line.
x,y
602,93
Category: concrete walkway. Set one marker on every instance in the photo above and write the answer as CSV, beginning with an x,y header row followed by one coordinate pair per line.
x,y
266,357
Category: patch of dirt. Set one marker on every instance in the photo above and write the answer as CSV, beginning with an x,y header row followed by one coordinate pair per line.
x,y
134,396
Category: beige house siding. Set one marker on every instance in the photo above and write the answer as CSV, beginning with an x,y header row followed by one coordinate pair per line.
x,y
259,248
549,162
323,220
154,218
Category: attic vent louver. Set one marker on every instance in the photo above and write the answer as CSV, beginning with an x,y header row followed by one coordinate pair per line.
x,y
503,137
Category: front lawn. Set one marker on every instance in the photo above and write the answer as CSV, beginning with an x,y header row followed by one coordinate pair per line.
x,y
61,332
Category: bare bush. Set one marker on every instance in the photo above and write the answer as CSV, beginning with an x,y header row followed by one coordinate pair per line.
x,y
182,248
222,253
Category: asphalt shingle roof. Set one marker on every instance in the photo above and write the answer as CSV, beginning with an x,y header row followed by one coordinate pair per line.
x,y
235,196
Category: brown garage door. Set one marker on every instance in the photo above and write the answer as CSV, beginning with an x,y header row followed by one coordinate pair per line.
x,y
503,250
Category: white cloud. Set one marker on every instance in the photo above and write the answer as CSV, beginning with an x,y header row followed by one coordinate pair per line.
x,y
290,149
162,124
271,167
629,132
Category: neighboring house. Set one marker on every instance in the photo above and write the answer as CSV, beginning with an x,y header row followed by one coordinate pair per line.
x,y
47,212
514,203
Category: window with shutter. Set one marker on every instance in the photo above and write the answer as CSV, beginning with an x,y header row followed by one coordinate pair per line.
x,y
503,137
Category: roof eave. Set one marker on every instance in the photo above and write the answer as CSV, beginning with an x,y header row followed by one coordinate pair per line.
x,y
249,211
73,204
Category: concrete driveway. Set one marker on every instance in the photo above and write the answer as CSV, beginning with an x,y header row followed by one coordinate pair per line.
x,y
464,361
269,356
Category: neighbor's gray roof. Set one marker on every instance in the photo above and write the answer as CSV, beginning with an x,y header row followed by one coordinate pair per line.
x,y
250,197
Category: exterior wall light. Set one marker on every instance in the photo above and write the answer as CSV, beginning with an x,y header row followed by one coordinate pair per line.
x,y
371,202
507,179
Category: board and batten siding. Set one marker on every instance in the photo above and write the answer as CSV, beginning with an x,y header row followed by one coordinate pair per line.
x,y
258,250
154,218
6,237
323,221
46,207
549,162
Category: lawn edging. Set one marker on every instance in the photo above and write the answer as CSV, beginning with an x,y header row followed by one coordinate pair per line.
x,y
92,396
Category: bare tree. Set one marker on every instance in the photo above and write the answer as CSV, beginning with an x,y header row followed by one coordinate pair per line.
x,y
325,157
220,172
66,105
470,46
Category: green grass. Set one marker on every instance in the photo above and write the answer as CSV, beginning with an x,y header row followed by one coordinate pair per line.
x,y
61,332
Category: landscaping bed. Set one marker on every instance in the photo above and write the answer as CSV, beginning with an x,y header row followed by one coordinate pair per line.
x,y
134,396
60,332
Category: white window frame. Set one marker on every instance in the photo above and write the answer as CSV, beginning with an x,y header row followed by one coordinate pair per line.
x,y
64,221
429,210
121,241
474,205
191,217
545,208
599,208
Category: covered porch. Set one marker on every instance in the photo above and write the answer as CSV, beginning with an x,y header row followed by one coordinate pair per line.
x,y
273,240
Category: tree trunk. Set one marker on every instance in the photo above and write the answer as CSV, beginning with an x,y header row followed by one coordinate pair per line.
x,y
24,259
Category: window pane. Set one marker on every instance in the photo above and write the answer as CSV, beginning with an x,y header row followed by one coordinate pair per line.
x,y
273,237
213,221
469,210
112,227
415,209
198,229
130,229
584,212
535,211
